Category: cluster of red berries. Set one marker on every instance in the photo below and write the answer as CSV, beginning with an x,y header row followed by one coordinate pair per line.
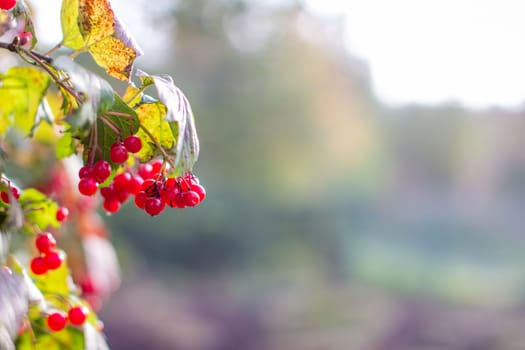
x,y
77,315
49,258
159,191
92,176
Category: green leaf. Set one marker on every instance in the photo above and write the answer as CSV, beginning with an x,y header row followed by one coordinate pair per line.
x,y
99,93
151,116
40,210
180,118
116,124
92,25
70,338
65,146
55,282
21,92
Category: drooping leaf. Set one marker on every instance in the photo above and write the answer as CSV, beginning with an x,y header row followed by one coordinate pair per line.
x,y
180,118
21,10
94,340
21,92
40,210
97,91
13,303
116,124
151,116
92,25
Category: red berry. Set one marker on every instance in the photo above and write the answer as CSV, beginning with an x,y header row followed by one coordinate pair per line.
x,y
15,192
146,171
133,144
38,266
111,205
140,199
85,171
154,206
178,200
7,4
191,198
62,214
56,321
108,192
200,191
121,181
5,197
87,186
101,171
135,184
156,166
54,259
118,153
25,38
78,315
45,242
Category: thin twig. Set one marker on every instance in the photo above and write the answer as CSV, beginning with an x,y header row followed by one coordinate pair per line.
x,y
161,149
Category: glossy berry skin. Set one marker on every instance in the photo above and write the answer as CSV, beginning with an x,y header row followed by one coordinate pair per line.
x,y
118,153
77,315
62,214
38,266
53,260
133,144
87,186
5,197
85,171
56,321
154,206
191,198
135,184
7,4
140,199
45,242
199,189
111,205
101,171
121,181
25,38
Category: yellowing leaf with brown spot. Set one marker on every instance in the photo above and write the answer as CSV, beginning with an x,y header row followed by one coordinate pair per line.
x,y
91,25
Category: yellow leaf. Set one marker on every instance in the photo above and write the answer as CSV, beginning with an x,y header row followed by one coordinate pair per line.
x,y
151,116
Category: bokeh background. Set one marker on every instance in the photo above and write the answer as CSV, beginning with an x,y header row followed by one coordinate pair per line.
x,y
344,211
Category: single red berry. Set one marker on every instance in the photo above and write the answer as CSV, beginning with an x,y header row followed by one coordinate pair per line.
x,y
170,184
25,38
15,192
54,259
178,200
200,191
191,198
111,205
56,321
62,214
122,195
7,4
4,196
87,186
154,206
140,199
135,184
77,315
85,171
101,171
87,286
45,242
156,166
133,144
118,153
38,266
121,181
146,171
108,192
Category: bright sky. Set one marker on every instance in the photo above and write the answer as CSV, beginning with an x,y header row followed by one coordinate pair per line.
x,y
422,51
432,51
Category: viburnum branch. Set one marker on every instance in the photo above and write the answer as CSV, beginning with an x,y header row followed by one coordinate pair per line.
x,y
53,49
110,125
159,146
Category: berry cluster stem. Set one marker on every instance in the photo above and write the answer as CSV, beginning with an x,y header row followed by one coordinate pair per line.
x,y
159,146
